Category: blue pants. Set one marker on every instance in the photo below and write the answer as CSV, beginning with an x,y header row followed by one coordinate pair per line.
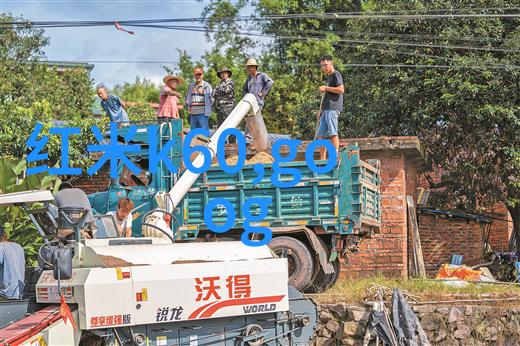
x,y
199,121
328,126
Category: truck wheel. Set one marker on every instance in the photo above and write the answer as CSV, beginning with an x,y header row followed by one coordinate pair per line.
x,y
299,258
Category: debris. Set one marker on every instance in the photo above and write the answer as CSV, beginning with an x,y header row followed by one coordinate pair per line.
x,y
372,292
464,273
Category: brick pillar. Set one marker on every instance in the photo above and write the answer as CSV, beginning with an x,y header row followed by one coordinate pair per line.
x,y
387,252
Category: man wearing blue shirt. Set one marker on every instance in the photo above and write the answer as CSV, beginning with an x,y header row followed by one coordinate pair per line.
x,y
113,106
12,268
258,84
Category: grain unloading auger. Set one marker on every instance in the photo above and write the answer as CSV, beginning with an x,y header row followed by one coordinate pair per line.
x,y
148,291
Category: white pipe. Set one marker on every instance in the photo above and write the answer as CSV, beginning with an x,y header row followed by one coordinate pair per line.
x,y
188,178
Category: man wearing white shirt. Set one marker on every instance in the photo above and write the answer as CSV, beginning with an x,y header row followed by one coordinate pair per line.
x,y
123,217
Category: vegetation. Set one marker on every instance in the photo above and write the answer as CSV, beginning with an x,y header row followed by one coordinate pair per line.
x,y
418,77
356,291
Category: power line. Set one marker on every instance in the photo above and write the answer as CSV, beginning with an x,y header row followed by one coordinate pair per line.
x,y
398,65
324,16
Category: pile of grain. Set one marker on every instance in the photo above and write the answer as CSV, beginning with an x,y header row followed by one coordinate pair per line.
x,y
261,157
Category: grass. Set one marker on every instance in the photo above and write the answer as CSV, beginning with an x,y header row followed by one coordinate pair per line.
x,y
355,290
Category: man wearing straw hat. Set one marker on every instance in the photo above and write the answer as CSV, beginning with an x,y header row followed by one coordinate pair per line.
x,y
258,84
168,104
224,95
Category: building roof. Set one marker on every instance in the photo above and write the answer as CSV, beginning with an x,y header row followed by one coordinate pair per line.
x,y
456,214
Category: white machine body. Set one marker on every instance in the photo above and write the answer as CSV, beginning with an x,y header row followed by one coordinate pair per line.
x,y
149,284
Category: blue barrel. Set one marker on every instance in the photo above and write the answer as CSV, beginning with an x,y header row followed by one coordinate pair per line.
x,y
456,259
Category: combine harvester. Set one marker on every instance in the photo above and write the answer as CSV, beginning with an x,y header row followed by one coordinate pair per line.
x,y
151,291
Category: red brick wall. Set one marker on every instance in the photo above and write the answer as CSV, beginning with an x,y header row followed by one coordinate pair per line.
x,y
95,183
502,225
386,252
441,237
501,228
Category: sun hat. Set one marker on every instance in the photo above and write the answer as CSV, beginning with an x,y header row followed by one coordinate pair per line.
x,y
224,69
168,78
251,62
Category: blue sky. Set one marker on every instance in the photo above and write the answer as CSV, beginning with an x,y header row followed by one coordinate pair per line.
x,y
107,43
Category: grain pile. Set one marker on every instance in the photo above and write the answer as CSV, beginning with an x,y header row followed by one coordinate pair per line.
x,y
261,157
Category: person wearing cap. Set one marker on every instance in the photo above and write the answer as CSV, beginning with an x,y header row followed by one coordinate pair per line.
x,y
198,101
113,106
169,99
224,95
258,84
12,268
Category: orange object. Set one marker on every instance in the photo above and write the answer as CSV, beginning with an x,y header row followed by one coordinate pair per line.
x,y
459,272
65,312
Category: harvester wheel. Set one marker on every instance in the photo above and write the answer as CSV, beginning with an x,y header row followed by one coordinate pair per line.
x,y
299,258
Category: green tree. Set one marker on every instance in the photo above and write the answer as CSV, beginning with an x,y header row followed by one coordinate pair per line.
x,y
459,94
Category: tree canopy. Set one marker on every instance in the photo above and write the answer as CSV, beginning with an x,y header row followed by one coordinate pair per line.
x,y
451,81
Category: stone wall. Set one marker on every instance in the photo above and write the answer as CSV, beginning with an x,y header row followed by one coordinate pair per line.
x,y
343,324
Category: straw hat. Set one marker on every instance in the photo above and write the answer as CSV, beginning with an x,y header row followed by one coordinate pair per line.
x,y
224,69
251,62
176,78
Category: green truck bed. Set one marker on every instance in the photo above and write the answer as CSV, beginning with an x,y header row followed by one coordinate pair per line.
x,y
345,200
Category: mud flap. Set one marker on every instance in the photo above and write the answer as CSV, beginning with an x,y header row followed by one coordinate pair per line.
x,y
327,266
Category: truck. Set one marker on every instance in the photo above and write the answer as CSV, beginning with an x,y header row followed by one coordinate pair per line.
x,y
315,224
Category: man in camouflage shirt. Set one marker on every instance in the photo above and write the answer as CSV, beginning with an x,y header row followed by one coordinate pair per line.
x,y
224,95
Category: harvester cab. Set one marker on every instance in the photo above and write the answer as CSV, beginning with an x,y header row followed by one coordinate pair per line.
x,y
147,291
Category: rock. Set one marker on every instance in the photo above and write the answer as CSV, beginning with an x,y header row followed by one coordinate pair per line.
x,y
424,309
440,336
353,329
340,309
325,333
431,322
357,314
323,341
325,316
455,315
348,341
443,310
462,332
332,326
469,310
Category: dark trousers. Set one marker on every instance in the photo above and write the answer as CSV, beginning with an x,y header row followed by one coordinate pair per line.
x,y
223,112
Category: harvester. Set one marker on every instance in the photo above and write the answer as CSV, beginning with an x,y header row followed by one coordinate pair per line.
x,y
150,291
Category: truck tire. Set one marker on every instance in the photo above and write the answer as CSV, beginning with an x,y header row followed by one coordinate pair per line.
x,y
299,258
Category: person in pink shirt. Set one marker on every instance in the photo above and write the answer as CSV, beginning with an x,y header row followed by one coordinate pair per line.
x,y
169,99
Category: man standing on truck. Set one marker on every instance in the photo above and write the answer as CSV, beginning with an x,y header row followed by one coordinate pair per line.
x,y
332,104
198,101
258,84
12,268
224,95
113,106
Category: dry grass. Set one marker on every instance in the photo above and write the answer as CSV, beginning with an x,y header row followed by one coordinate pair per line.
x,y
355,290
